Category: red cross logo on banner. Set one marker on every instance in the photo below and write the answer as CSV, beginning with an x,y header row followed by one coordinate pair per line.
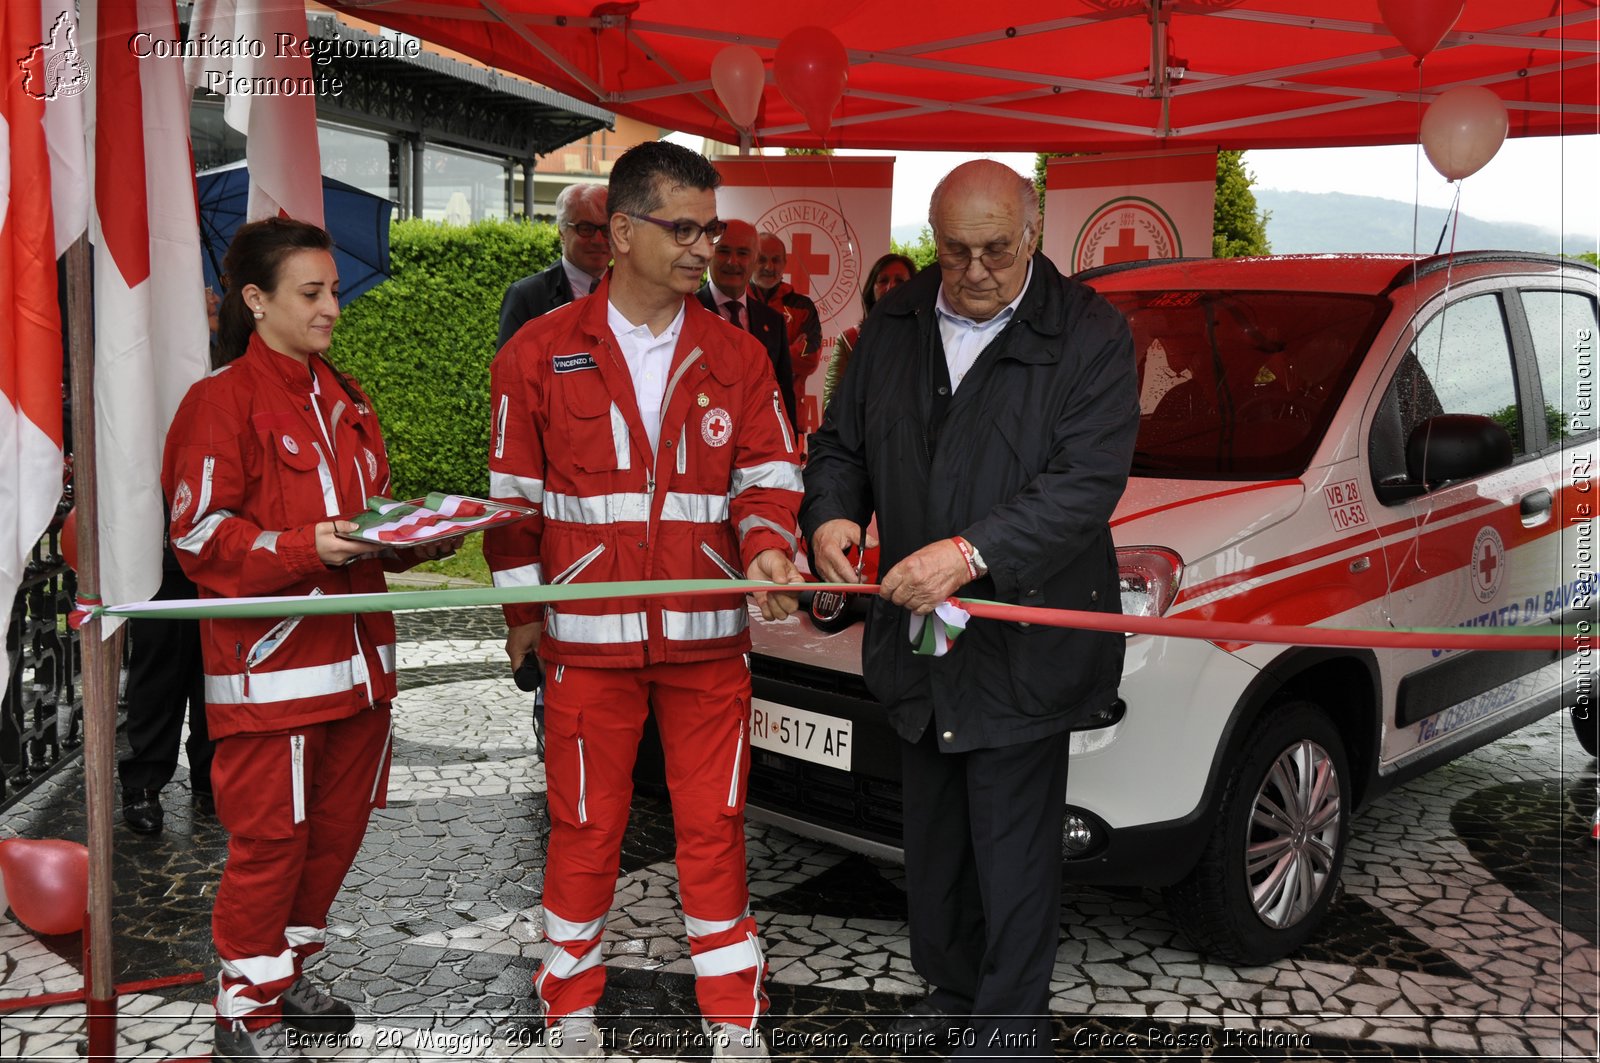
x,y
1126,249
805,263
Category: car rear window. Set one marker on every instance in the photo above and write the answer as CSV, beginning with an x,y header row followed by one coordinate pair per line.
x,y
1241,385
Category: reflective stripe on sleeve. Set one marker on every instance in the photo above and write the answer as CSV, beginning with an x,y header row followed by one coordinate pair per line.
x,y
201,533
612,629
783,475
507,485
522,576
704,624
749,524
267,540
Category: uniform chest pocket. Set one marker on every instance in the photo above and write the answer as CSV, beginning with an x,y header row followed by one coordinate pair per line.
x,y
305,489
596,432
296,450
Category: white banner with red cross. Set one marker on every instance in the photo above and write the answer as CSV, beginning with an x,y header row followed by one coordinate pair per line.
x,y
1103,209
832,214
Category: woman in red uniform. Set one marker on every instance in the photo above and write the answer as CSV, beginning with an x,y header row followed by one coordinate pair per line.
x,y
263,458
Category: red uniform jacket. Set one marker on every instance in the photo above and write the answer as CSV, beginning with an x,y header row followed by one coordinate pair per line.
x,y
248,475
567,439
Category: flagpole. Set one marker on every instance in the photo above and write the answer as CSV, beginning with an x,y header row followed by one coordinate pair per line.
x,y
101,664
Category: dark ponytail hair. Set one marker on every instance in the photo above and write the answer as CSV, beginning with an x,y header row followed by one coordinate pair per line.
x,y
256,256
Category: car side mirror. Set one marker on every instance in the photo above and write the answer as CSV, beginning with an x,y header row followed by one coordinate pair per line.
x,y
1446,448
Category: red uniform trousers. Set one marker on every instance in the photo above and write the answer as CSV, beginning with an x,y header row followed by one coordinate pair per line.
x,y
296,806
593,720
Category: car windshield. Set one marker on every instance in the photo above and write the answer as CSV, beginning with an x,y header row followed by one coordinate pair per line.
x,y
1241,385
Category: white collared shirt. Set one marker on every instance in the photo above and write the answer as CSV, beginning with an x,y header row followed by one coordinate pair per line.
x,y
649,359
964,339
581,282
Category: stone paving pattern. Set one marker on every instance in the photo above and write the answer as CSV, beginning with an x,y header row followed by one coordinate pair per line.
x,y
1466,928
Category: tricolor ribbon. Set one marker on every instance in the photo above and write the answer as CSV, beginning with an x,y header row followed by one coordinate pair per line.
x,y
1533,637
939,637
83,610
436,516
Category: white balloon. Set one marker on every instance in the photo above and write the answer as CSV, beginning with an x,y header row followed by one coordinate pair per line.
x,y
1463,129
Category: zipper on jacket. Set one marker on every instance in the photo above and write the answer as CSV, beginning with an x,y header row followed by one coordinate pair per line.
x,y
574,570
738,759
297,775
583,787
238,656
716,559
269,643
206,475
783,421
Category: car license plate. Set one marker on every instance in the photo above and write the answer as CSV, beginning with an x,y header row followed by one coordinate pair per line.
x,y
798,733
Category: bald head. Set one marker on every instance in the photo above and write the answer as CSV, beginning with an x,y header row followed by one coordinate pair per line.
x,y
771,259
580,208
985,221
734,260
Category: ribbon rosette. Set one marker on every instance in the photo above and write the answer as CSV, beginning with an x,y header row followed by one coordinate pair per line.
x,y
937,639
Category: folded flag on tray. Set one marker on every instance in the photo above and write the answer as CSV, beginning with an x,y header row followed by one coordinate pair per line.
x,y
421,520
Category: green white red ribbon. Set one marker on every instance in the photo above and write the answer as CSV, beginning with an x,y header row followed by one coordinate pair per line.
x,y
934,635
1540,637
437,516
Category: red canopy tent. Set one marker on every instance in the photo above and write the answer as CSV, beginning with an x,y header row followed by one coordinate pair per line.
x,y
1069,75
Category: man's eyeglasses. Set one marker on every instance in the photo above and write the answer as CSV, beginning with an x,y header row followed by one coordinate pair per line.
x,y
587,229
992,260
687,232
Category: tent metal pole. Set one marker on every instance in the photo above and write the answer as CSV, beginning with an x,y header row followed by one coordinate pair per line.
x,y
100,668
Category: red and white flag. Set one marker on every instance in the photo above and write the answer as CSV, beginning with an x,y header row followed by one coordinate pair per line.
x,y
38,163
151,338
280,128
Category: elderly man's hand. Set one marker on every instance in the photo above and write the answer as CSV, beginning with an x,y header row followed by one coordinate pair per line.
x,y
828,548
927,577
775,566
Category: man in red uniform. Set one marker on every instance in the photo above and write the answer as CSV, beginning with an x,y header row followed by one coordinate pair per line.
x,y
800,318
651,438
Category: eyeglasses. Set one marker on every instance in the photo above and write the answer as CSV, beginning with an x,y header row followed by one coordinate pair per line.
x,y
587,230
992,260
687,232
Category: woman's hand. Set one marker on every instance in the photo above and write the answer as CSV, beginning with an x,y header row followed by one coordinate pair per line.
x,y
335,551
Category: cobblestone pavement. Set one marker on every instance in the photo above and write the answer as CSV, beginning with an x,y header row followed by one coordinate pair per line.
x,y
1466,929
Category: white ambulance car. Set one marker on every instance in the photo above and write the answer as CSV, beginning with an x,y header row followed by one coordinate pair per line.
x,y
1367,442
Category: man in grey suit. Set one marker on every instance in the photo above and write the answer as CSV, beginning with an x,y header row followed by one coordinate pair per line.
x,y
732,263
585,253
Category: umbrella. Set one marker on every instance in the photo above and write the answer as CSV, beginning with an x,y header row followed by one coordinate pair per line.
x,y
357,220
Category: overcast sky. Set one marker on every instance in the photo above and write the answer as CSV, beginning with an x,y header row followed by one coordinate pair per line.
x,y
1546,181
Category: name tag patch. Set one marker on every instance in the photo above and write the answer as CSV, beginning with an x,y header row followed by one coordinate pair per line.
x,y
571,363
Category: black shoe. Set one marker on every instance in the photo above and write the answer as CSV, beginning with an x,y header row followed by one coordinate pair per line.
x,y
205,804
309,1008
141,811
926,1027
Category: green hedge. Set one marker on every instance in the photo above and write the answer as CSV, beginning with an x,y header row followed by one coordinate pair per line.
x,y
421,343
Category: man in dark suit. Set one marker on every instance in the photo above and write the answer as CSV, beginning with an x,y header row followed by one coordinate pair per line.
x,y
732,264
585,253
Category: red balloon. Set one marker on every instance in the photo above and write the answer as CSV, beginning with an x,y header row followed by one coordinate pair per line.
x,y
68,538
47,883
811,68
739,78
1419,25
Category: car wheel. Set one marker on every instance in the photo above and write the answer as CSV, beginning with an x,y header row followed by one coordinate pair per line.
x,y
1270,867
1586,725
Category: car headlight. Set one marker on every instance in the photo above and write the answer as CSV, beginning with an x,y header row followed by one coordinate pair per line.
x,y
1148,578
